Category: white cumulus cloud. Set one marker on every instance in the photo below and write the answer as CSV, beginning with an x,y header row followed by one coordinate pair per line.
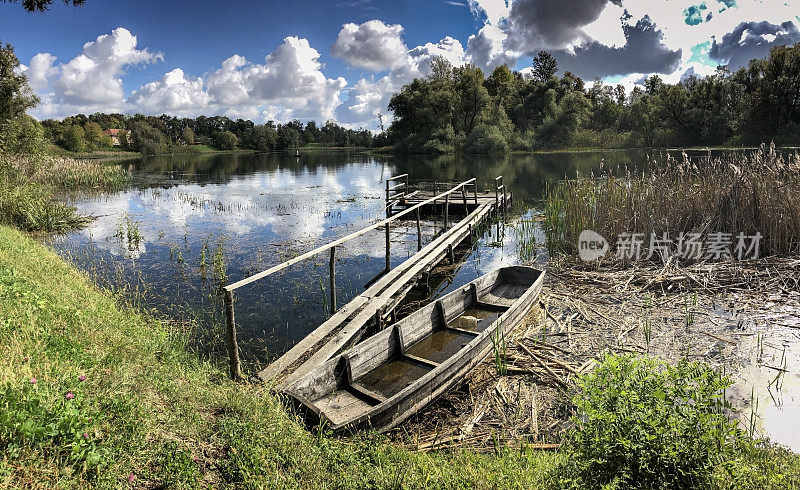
x,y
174,93
290,84
372,45
368,98
493,10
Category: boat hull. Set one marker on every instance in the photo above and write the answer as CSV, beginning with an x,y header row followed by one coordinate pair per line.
x,y
387,378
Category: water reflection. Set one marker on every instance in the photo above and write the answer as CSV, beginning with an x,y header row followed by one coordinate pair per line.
x,y
190,223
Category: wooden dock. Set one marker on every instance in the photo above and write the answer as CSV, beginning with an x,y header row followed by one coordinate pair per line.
x,y
375,307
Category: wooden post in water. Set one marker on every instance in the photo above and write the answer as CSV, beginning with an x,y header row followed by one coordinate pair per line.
x,y
333,280
388,206
233,346
388,215
496,200
419,233
388,251
446,210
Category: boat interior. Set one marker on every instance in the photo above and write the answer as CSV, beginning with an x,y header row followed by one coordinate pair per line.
x,y
382,366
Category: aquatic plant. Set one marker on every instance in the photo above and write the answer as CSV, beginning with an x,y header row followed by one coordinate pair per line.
x,y
499,352
732,193
32,189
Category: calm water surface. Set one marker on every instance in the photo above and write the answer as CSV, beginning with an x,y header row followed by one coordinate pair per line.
x,y
188,224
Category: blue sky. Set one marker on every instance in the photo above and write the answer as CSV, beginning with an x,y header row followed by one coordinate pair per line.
x,y
199,38
342,60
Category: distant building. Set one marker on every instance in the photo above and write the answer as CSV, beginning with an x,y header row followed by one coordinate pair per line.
x,y
114,133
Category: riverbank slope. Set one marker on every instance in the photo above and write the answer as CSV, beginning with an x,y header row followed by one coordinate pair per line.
x,y
95,392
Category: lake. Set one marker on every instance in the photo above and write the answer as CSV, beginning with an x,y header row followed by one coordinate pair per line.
x,y
187,224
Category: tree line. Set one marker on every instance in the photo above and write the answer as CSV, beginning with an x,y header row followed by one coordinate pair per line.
x,y
457,109
154,135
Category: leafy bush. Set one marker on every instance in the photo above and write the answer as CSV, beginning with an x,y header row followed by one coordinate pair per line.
x,y
22,135
147,139
225,140
643,423
486,139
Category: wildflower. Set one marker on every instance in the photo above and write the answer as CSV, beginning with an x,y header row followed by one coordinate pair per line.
x,y
81,378
33,381
69,396
85,435
131,477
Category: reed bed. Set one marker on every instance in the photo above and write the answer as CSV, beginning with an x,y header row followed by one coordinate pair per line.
x,y
756,192
33,190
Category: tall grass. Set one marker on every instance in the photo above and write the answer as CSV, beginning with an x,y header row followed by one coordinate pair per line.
x,y
33,189
733,193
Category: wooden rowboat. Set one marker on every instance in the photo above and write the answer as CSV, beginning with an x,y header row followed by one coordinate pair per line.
x,y
388,377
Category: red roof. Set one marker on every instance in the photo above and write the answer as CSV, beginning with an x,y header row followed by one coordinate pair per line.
x,y
112,132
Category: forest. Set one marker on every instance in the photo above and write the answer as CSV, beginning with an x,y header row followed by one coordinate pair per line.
x,y
153,135
457,109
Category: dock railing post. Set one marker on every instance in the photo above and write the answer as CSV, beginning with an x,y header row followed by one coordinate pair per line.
x,y
464,197
435,193
419,233
333,280
233,346
446,210
388,206
388,215
475,191
388,250
496,200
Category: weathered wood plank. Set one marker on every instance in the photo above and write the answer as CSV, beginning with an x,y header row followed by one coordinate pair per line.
x,y
354,327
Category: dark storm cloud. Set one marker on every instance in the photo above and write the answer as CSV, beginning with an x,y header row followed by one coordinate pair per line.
x,y
546,24
643,52
747,41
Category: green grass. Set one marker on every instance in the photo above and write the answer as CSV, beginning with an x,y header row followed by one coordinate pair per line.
x,y
150,410
153,410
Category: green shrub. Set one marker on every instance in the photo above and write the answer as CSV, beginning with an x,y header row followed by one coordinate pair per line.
x,y
486,139
643,423
225,140
147,140
23,135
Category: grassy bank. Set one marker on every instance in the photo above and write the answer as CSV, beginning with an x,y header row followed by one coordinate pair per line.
x,y
150,409
97,393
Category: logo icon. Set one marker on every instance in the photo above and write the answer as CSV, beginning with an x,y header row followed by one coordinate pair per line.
x,y
591,246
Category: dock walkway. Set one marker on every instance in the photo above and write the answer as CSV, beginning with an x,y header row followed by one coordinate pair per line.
x,y
374,307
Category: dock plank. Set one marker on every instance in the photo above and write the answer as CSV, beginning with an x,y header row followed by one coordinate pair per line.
x,y
388,287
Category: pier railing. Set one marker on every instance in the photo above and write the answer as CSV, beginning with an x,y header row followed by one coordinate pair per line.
x,y
233,349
